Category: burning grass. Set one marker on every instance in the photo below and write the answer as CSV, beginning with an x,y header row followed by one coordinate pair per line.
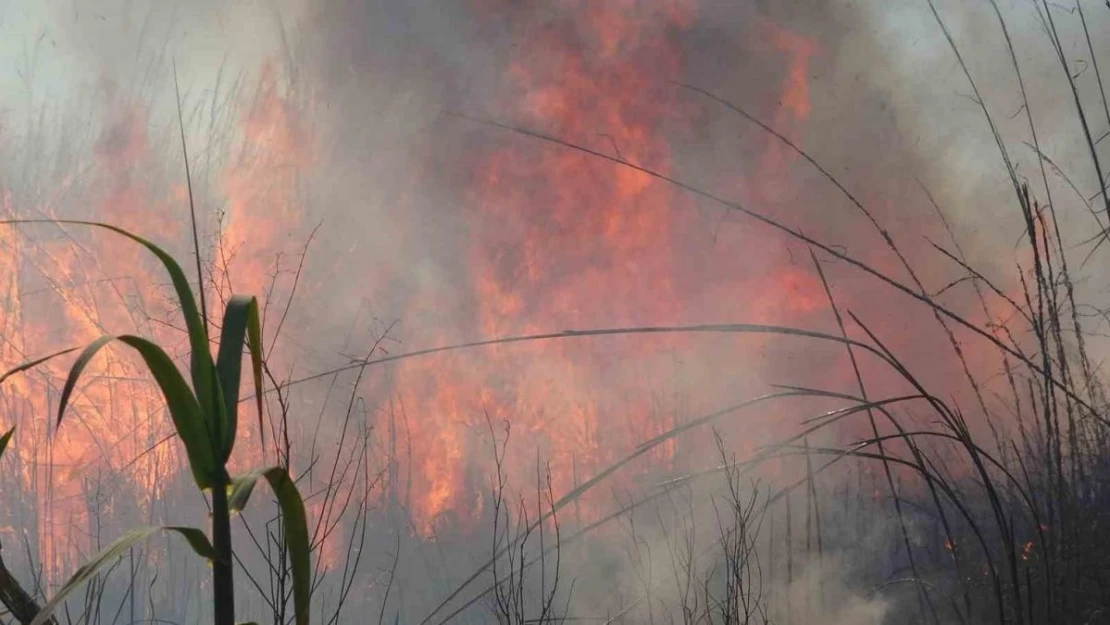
x,y
901,496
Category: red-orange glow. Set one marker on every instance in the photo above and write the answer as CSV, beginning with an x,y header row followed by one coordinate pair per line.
x,y
548,239
261,185
794,93
61,291
556,240
1026,550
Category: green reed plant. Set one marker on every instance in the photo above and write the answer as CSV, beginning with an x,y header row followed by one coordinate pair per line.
x,y
205,418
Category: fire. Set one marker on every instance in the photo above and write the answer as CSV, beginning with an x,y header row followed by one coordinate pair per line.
x,y
60,291
795,88
556,240
550,240
553,239
261,185
59,295
1026,550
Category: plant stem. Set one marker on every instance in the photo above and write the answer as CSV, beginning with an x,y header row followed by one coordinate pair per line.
x,y
223,590
18,601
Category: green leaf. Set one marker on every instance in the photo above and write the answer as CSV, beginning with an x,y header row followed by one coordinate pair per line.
x,y
33,363
75,371
5,439
196,539
241,325
188,419
201,367
296,527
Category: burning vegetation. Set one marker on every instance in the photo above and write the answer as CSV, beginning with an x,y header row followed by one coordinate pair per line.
x,y
623,312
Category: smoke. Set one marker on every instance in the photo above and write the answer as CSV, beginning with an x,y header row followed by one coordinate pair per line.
x,y
840,603
435,228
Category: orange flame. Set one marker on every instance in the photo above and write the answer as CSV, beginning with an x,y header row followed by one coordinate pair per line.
x,y
69,290
557,240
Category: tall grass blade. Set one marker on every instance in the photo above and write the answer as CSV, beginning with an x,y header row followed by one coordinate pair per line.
x,y
188,418
241,325
203,371
196,539
30,364
296,527
5,439
192,205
